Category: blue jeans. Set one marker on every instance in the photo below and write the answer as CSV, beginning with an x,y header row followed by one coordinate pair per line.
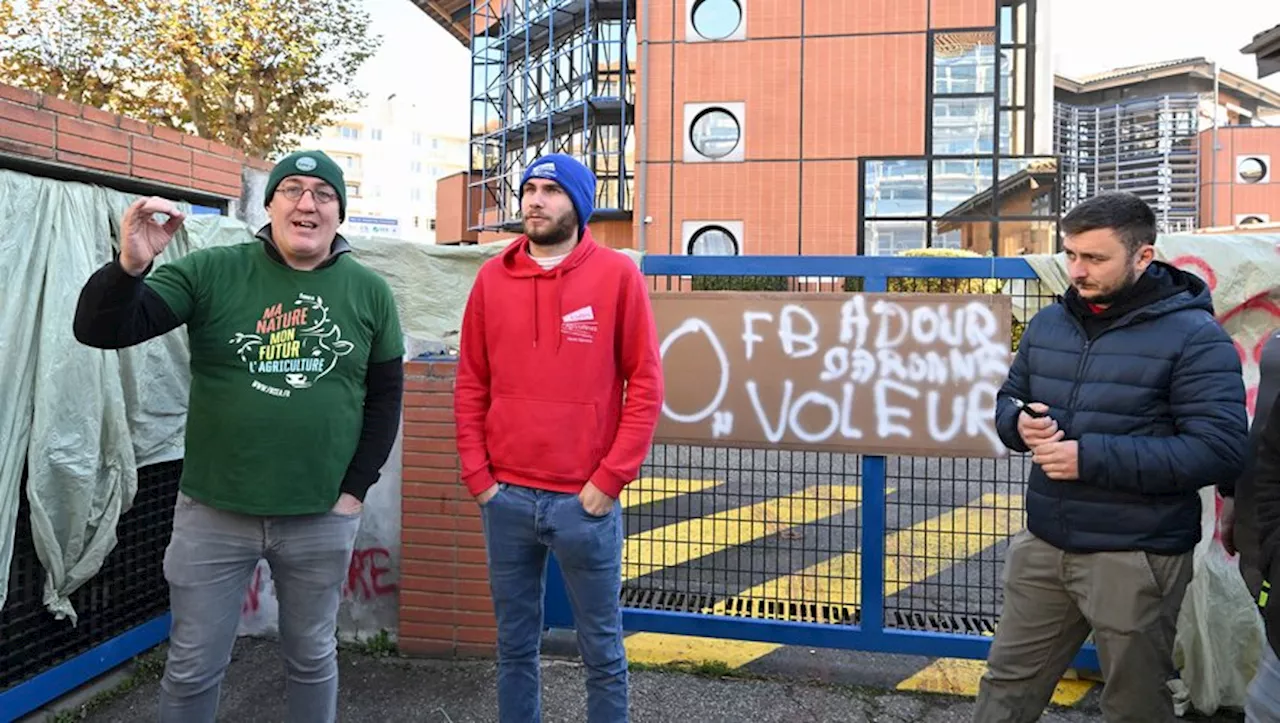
x,y
209,563
1263,702
520,526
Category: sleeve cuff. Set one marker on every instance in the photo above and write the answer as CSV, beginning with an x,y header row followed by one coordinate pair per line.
x,y
608,483
480,481
356,488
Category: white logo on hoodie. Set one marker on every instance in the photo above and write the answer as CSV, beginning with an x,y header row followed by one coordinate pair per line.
x,y
580,325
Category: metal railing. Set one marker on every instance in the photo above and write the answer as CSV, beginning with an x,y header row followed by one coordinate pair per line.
x,y
818,548
123,610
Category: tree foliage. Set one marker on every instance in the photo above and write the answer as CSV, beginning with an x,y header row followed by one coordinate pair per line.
x,y
254,74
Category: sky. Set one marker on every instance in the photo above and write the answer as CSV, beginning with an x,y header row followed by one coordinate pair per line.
x,y
421,60
418,60
1090,36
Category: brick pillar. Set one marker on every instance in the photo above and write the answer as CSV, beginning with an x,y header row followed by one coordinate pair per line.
x,y
445,608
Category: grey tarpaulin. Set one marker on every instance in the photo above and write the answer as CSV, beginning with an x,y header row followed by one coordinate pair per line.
x,y
72,422
25,210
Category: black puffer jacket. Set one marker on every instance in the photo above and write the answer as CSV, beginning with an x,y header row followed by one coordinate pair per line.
x,y
1151,390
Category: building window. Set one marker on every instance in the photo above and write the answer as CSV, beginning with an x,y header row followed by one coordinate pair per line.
x,y
886,238
712,238
976,189
349,133
715,20
1253,169
1017,79
353,190
896,188
431,224
415,194
963,126
435,144
714,132
1250,219
375,134
964,62
1005,208
417,138
415,166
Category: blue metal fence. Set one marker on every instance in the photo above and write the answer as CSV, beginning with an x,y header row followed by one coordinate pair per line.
x,y
870,632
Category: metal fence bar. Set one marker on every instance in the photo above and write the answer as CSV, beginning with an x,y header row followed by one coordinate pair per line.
x,y
52,684
817,635
872,546
884,267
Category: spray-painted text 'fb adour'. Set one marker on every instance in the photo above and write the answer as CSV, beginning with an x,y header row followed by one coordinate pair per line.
x,y
867,373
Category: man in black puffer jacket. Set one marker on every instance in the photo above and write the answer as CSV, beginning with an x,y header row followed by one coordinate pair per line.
x,y
1129,396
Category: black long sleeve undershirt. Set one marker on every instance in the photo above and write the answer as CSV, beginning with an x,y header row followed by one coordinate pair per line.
x,y
384,387
116,310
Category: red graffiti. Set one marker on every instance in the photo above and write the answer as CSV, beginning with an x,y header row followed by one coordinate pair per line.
x,y
1202,266
1257,348
366,576
366,579
1260,301
252,595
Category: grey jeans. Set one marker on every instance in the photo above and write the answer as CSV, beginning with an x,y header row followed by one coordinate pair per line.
x,y
209,563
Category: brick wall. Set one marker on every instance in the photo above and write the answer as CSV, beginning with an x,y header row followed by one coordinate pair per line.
x,y
46,129
445,608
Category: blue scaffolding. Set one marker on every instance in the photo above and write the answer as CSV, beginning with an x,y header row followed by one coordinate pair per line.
x,y
550,76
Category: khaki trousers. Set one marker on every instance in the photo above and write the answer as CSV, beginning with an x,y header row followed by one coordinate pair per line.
x,y
1052,599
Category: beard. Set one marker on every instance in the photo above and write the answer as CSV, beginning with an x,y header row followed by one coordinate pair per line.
x,y
1110,295
561,230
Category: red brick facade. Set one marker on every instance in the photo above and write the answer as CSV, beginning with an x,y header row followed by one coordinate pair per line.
x,y
43,128
445,608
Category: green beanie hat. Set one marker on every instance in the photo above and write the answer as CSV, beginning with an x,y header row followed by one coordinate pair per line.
x,y
309,163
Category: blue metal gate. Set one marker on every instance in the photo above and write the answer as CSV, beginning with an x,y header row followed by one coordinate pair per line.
x,y
943,602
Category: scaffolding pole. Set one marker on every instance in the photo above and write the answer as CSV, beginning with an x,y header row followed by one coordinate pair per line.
x,y
557,77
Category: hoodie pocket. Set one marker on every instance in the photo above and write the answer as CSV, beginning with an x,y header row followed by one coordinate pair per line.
x,y
552,440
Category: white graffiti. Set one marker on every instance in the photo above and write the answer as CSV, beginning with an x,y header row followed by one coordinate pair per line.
x,y
722,424
698,326
891,356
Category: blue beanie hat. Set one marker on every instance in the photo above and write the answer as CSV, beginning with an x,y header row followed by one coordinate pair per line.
x,y
576,179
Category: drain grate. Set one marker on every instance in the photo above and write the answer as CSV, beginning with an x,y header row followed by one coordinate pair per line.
x,y
941,623
741,607
801,612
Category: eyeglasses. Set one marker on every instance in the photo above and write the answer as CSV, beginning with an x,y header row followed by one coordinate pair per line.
x,y
320,195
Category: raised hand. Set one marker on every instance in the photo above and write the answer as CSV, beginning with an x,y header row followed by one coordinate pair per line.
x,y
142,238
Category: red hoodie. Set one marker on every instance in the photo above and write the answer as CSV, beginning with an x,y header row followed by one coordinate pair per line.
x,y
544,360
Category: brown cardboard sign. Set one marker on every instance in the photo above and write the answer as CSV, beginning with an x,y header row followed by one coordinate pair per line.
x,y
892,374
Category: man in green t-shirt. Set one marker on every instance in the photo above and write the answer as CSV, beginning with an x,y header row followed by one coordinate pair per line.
x,y
296,386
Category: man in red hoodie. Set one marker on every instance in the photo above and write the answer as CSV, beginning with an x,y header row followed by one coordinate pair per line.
x,y
558,394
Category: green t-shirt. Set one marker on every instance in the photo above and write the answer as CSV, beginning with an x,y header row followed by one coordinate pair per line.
x,y
278,363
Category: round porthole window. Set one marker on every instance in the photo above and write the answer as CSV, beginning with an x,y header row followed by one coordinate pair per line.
x,y
713,241
1252,170
716,19
715,132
